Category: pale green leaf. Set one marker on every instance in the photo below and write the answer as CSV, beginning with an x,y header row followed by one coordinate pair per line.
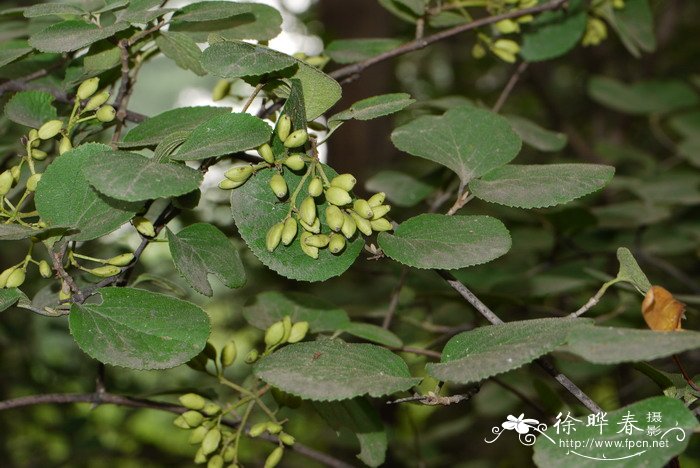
x,y
180,48
356,50
536,136
643,97
31,108
630,271
374,333
374,107
401,189
554,33
71,35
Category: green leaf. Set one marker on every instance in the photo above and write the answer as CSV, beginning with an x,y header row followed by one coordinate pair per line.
x,y
272,306
554,449
609,345
17,232
446,242
8,298
630,215
238,59
330,369
181,49
31,108
554,33
71,35
58,9
690,150
224,134
370,332
491,350
630,271
102,56
132,177
155,129
139,329
256,209
64,196
358,416
468,140
397,8
634,24
357,50
13,50
536,136
642,97
401,189
320,90
201,249
373,107
686,124
539,186
142,11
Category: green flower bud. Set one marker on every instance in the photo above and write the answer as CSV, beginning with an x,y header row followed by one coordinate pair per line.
x,y
380,211
273,428
274,458
334,218
287,322
278,185
64,293
87,88
50,129
181,423
65,145
45,269
96,101
315,187
5,275
376,199
228,354
211,441
298,332
228,184
33,181
106,114
307,210
192,401
257,429
121,260
105,271
33,134
286,439
349,226
15,171
362,224
252,356
211,409
39,155
507,26
295,162
314,228
35,143
197,435
193,418
274,236
317,240
199,457
296,139
144,226
228,454
505,49
344,181
284,126
336,244
478,51
6,181
265,152
308,249
290,231
239,173
217,461
362,208
337,196
221,89
381,224
274,334
525,19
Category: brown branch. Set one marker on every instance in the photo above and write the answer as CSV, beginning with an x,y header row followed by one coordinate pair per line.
x,y
145,33
421,43
509,86
122,99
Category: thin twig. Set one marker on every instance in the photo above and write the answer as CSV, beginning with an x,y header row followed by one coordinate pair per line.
x,y
145,33
509,86
394,301
685,374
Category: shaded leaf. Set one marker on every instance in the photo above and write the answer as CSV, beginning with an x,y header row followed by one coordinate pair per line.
x,y
238,59
662,311
13,50
370,332
634,24
58,9
71,35
31,108
374,107
401,189
357,50
554,33
642,97
536,136
630,215
180,48
630,271
17,231
9,297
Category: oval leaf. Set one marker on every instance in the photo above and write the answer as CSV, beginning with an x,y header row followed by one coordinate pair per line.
x,y
370,332
31,108
554,33
536,136
71,35
401,189
630,271
236,59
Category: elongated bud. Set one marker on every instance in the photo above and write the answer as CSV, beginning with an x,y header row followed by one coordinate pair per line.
x,y
228,354
193,418
265,152
87,88
274,236
16,278
336,244
287,323
229,454
45,269
252,356
284,126
39,155
380,211
33,181
505,49
337,196
221,89
228,184
381,224
376,199
349,226
362,224
525,19
299,331
295,162
290,231
507,26
315,187
278,185
50,129
192,401
121,260
317,240
217,461
96,101
344,181
65,145
274,458
273,427
274,334
314,228
334,218
239,173
296,139
308,249
15,171
199,457
6,181
211,409
181,423
211,441
33,134
144,226
5,275
106,114
197,435
105,271
64,293
362,208
257,429
287,439
307,210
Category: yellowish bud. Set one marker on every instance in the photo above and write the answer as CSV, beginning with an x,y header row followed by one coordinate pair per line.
x,y
299,331
87,88
344,181
274,236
